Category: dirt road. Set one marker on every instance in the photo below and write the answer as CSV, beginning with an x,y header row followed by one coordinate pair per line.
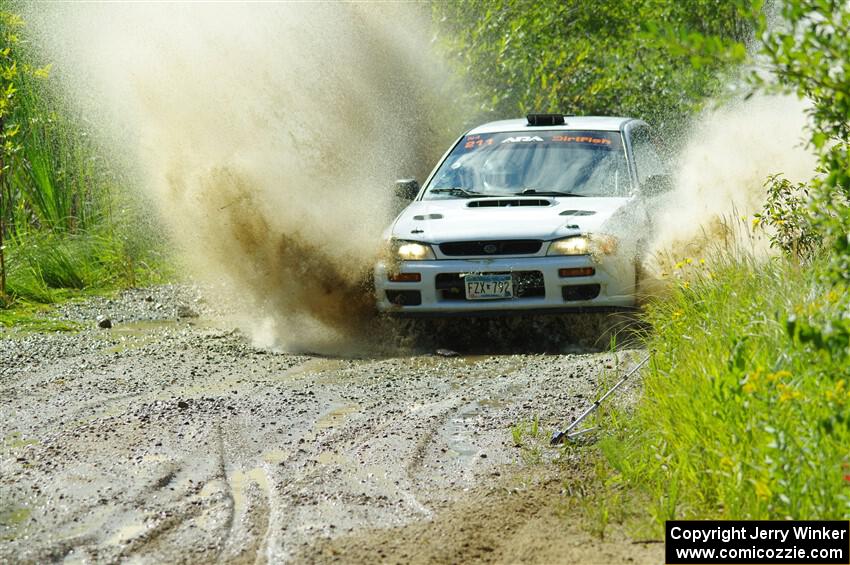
x,y
169,439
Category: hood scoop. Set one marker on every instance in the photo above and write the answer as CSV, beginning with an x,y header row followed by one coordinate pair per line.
x,y
508,202
577,213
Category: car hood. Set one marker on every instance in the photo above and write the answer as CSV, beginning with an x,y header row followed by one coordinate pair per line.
x,y
439,221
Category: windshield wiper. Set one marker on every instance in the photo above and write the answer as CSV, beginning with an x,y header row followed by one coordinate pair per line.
x,y
457,191
535,192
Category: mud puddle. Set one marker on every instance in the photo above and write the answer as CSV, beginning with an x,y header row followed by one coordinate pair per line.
x,y
136,334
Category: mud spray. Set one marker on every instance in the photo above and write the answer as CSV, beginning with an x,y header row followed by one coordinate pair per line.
x,y
270,136
720,176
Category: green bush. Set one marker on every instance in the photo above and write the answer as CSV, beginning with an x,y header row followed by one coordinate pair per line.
x,y
810,55
790,227
746,408
68,219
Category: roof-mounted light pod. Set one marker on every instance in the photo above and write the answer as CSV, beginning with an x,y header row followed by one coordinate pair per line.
x,y
545,119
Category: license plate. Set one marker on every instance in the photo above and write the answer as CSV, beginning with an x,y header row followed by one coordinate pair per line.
x,y
488,287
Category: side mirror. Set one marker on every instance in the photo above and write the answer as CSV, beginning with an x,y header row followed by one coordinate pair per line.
x,y
656,185
406,189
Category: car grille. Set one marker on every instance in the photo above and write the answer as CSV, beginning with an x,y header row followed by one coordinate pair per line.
x,y
527,284
499,247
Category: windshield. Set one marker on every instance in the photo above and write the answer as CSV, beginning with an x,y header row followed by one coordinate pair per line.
x,y
551,163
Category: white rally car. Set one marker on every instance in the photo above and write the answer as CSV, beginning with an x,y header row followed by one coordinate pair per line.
x,y
539,215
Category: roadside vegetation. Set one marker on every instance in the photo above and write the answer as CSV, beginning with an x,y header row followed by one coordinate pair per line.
x,y
746,408
67,222
743,415
745,411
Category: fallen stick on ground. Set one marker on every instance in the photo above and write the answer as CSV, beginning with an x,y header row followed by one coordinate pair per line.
x,y
559,437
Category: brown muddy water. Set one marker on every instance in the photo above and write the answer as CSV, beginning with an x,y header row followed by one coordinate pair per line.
x,y
170,439
268,138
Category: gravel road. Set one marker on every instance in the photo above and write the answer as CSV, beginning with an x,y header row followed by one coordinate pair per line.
x,y
170,438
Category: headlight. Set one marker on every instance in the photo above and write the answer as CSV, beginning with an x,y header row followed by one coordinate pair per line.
x,y
412,251
576,245
591,244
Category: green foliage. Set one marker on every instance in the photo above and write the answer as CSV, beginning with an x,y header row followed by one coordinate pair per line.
x,y
811,56
54,177
44,266
64,221
57,186
746,410
10,25
744,415
787,219
649,58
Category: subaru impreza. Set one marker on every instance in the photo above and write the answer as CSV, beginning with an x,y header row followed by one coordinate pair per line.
x,y
536,215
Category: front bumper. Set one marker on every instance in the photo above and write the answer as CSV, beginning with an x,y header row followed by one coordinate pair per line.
x,y
611,287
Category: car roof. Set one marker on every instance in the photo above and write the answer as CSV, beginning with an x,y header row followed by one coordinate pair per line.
x,y
592,123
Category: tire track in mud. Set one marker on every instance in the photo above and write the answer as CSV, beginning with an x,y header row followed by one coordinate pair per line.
x,y
195,446
251,516
250,493
246,498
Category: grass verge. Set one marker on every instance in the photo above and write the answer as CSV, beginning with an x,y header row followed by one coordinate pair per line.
x,y
740,418
45,268
29,318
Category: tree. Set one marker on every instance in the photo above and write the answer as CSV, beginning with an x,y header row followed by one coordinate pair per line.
x,y
811,56
657,59
10,25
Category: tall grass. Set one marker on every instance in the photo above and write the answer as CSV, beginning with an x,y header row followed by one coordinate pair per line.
x,y
45,266
66,214
52,177
739,418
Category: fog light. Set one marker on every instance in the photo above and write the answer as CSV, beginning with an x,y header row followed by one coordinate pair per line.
x,y
404,277
577,272
404,297
581,292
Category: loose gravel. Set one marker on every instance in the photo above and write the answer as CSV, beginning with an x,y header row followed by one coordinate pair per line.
x,y
170,438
